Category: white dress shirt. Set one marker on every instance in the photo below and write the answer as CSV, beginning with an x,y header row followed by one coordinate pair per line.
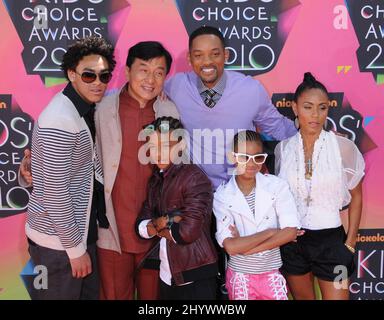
x,y
165,271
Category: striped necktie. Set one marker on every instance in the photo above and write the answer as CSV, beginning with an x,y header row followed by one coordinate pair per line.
x,y
209,101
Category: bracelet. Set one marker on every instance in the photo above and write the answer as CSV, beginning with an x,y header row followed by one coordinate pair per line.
x,y
350,248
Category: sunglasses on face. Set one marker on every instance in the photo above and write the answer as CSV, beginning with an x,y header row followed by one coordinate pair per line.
x,y
89,76
244,158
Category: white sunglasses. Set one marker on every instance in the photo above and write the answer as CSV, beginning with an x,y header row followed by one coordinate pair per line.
x,y
244,158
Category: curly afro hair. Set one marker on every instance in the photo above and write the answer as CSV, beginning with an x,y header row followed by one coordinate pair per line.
x,y
85,47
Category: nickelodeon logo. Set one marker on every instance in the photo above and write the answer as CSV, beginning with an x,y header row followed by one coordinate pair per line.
x,y
3,105
374,238
283,103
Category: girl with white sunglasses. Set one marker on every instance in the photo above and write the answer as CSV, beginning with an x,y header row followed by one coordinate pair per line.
x,y
255,215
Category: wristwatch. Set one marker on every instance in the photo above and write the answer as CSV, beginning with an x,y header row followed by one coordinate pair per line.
x,y
170,222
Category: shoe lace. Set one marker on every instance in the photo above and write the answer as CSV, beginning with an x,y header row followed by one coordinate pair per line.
x,y
240,286
279,286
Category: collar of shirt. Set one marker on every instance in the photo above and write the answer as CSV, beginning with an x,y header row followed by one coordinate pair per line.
x,y
219,86
172,168
81,106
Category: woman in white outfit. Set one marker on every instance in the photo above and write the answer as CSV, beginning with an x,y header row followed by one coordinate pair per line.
x,y
324,172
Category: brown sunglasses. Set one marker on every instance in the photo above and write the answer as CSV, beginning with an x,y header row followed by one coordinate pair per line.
x,y
89,77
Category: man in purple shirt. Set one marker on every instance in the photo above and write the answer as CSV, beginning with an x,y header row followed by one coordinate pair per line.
x,y
214,104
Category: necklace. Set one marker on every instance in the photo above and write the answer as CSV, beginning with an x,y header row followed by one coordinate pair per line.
x,y
308,169
308,175
308,163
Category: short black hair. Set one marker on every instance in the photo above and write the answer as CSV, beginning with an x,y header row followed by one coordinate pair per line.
x,y
172,123
147,50
85,47
167,124
206,30
309,82
246,135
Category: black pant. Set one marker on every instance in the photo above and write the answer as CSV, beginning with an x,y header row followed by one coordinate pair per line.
x,y
61,285
197,290
221,290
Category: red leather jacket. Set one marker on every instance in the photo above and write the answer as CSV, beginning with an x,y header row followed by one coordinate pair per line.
x,y
186,191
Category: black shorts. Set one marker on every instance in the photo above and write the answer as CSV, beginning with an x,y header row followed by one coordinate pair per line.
x,y
319,252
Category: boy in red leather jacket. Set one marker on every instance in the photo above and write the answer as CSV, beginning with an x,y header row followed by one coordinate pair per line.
x,y
178,210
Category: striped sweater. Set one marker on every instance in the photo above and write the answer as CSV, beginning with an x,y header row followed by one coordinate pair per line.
x,y
63,158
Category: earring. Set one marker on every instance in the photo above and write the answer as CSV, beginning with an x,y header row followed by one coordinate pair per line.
x,y
296,123
325,126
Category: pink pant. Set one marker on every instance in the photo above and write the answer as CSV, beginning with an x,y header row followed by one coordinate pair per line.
x,y
265,286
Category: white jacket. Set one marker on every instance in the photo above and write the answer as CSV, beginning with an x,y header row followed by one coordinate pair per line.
x,y
274,207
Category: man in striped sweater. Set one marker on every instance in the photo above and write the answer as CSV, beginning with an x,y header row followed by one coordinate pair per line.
x,y
67,201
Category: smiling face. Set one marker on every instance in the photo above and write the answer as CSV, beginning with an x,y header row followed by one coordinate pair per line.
x,y
207,57
89,92
312,110
146,79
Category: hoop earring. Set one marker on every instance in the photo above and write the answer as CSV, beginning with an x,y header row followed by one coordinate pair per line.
x,y
296,123
325,126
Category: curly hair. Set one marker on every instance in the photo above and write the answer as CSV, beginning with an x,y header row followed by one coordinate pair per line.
x,y
85,47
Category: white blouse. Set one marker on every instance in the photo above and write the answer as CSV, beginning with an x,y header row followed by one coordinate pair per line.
x,y
338,166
